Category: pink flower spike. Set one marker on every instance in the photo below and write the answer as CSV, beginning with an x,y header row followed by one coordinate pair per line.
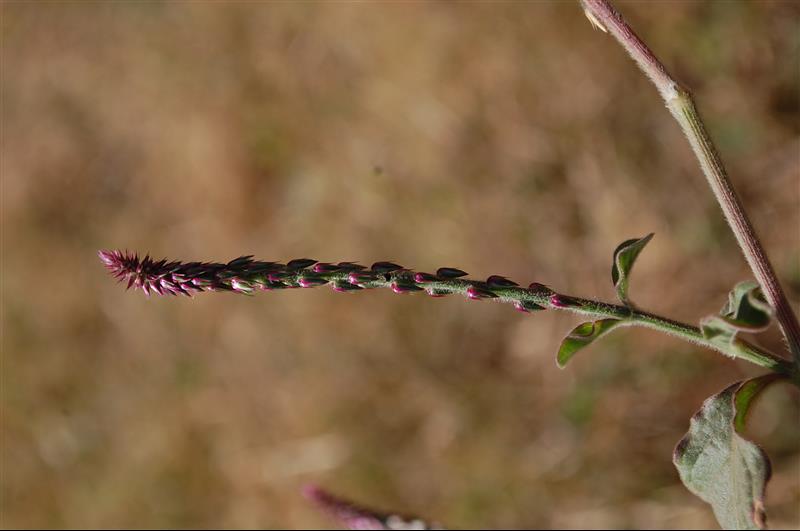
x,y
277,276
361,277
475,293
535,286
346,513
563,301
109,258
237,285
354,516
404,288
422,278
310,282
324,267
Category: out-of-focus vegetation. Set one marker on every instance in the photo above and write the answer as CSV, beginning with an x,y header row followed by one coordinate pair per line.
x,y
500,138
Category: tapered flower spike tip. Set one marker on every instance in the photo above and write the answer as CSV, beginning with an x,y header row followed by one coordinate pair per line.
x,y
121,265
107,257
353,516
343,512
160,277
117,261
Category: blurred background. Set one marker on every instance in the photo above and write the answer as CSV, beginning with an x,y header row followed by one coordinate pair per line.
x,y
500,138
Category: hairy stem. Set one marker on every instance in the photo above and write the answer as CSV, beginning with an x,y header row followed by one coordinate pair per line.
x,y
245,275
680,103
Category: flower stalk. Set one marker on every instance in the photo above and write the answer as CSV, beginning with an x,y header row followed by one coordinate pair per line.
x,y
247,276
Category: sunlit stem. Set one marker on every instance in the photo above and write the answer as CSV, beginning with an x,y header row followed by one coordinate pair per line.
x,y
679,102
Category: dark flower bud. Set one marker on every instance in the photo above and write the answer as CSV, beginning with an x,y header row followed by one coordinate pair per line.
x,y
539,288
350,266
242,261
385,267
300,263
500,282
256,267
450,272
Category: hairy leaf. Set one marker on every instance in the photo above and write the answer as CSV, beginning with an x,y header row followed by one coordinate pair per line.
x,y
745,311
746,308
582,336
624,257
719,465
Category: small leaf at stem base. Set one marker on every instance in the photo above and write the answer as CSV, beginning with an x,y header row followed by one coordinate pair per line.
x,y
582,336
624,257
745,311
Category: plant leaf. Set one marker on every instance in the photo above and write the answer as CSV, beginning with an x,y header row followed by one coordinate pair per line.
x,y
745,311
624,257
747,393
720,466
746,308
582,336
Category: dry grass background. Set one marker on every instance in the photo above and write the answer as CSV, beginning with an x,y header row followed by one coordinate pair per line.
x,y
500,138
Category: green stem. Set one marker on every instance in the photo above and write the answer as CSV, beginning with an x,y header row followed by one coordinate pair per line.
x,y
540,297
680,103
739,349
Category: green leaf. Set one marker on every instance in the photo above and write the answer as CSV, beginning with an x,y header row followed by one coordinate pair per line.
x,y
745,311
746,308
624,257
747,393
582,336
719,465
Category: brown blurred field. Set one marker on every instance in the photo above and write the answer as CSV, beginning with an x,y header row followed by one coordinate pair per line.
x,y
500,138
